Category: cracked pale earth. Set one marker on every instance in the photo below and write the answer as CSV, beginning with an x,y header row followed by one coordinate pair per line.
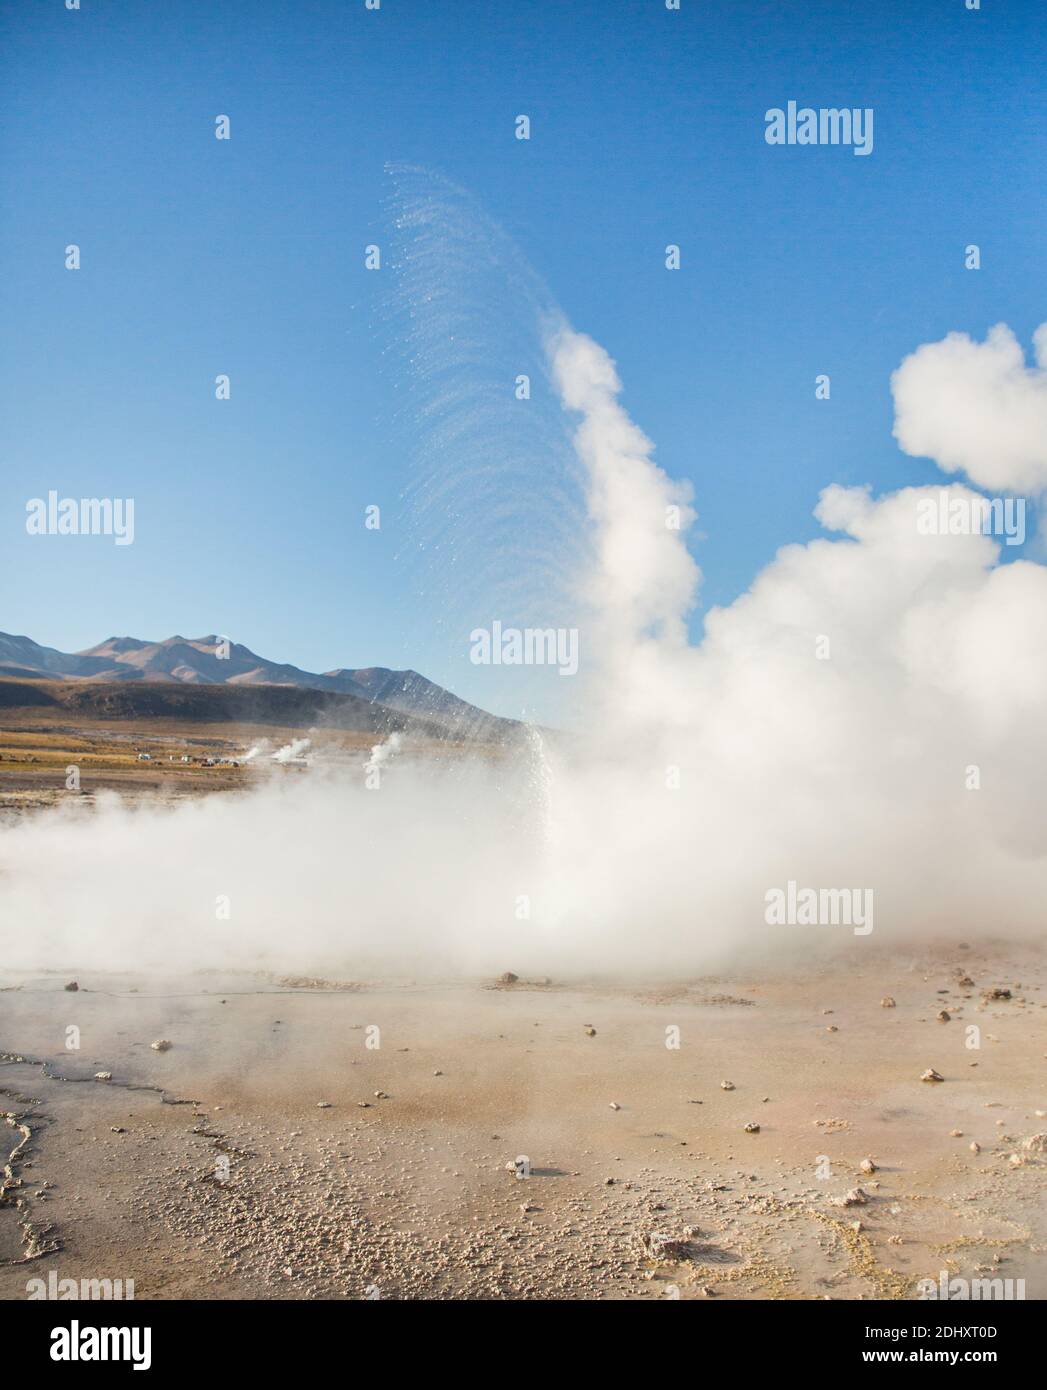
x,y
254,1159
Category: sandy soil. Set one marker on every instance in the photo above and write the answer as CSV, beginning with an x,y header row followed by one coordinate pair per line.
x,y
256,1157
36,754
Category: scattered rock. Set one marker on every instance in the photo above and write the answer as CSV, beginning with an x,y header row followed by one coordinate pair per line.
x,y
1036,1143
956,1134
976,1148
103,1076
854,1198
72,986
590,1031
943,1016
615,1105
931,1075
867,1165
995,993
310,982
887,1002
323,1105
751,1128
381,1095
161,1045
726,1085
657,1245
508,978
832,1028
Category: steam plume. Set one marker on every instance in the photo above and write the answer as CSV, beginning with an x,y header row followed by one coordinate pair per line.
x,y
868,715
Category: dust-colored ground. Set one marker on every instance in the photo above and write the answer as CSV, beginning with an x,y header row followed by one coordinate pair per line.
x,y
305,1142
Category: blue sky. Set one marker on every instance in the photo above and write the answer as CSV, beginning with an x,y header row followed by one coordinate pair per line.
x,y
246,257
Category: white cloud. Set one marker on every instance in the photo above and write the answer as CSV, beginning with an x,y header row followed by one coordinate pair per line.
x,y
977,408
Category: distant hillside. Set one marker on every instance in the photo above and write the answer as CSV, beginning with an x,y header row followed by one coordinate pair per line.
x,y
193,662
281,705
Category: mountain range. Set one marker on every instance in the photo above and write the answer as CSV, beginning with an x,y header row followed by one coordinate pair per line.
x,y
213,660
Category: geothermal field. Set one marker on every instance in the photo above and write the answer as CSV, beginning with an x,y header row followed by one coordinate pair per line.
x,y
731,987
594,849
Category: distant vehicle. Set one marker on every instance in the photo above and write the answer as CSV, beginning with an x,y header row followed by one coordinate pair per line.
x,y
145,757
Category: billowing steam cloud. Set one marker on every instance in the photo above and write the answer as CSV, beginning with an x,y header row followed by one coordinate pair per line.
x,y
867,717
384,752
293,752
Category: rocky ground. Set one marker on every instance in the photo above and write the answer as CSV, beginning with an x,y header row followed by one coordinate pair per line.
x,y
312,1139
